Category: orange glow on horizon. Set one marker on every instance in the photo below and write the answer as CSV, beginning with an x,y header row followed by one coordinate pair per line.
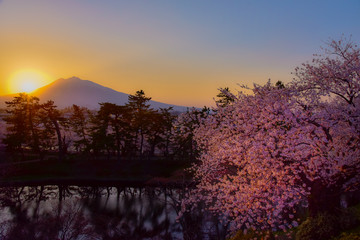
x,y
26,81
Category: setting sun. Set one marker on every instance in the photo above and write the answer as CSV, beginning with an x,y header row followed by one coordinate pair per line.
x,y
26,81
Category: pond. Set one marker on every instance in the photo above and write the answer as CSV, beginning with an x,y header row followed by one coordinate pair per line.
x,y
92,212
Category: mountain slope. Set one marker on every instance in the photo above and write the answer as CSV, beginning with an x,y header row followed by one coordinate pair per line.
x,y
6,98
66,92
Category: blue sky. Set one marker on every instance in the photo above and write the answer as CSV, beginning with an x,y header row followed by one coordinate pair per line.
x,y
178,52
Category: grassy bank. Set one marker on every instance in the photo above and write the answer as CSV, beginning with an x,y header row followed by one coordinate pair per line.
x,y
345,226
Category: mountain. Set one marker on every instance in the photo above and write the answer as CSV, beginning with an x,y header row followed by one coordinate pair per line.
x,y
6,98
66,92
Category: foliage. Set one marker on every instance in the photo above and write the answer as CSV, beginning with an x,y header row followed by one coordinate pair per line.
x,y
325,226
349,236
132,130
32,125
283,147
140,109
321,227
184,128
250,235
22,124
79,124
335,73
52,120
225,97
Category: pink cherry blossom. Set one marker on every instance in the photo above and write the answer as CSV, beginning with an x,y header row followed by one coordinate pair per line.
x,y
267,153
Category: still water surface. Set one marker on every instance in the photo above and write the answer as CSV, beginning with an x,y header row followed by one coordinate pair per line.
x,y
72,212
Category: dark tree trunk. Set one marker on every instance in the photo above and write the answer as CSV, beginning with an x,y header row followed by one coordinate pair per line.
x,y
323,199
35,137
141,143
152,150
60,143
118,145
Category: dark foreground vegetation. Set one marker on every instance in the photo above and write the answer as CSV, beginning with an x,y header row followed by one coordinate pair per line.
x,y
343,226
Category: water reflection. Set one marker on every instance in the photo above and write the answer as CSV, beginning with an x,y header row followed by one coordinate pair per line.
x,y
71,212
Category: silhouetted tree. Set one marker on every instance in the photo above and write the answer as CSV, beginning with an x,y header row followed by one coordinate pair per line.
x,y
139,107
279,84
79,124
119,120
100,136
23,123
52,120
167,122
155,130
184,127
225,97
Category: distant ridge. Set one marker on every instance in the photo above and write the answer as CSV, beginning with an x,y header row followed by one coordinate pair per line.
x,y
66,92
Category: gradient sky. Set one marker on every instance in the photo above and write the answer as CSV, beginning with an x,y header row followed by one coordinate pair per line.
x,y
178,52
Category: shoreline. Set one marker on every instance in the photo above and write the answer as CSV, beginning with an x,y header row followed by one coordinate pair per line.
x,y
136,173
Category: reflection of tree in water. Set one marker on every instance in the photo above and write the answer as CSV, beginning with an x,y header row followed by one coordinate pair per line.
x,y
31,220
197,223
130,214
68,212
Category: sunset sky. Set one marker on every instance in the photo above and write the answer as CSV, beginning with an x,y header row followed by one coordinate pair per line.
x,y
178,52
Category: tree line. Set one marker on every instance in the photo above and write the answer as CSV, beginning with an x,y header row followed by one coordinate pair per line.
x,y
132,130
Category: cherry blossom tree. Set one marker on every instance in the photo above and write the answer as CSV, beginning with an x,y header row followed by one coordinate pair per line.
x,y
280,148
330,84
336,73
